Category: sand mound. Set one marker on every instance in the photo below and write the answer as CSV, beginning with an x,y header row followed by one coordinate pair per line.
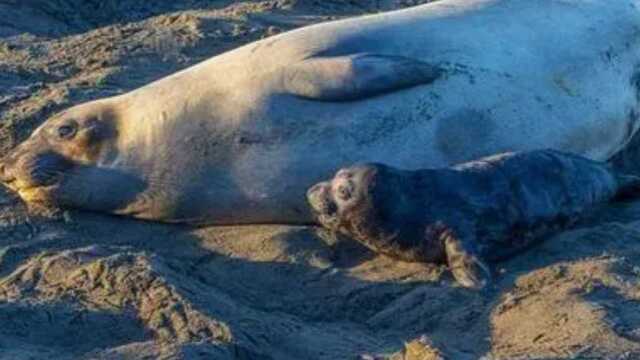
x,y
85,286
123,284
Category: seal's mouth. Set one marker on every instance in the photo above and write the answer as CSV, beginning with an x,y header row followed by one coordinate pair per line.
x,y
32,193
37,194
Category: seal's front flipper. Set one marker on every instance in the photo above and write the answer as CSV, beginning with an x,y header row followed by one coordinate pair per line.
x,y
355,77
465,265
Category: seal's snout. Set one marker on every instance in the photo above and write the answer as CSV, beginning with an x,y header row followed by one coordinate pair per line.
x,y
323,205
23,169
319,199
7,175
3,171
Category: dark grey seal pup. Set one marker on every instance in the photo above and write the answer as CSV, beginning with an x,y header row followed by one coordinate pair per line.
x,y
484,210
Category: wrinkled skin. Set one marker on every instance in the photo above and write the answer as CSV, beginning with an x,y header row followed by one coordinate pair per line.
x,y
484,210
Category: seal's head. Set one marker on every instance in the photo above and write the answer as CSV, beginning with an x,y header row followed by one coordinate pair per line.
x,y
63,161
336,201
374,204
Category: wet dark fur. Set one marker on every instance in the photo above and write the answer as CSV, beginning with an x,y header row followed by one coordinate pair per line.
x,y
494,206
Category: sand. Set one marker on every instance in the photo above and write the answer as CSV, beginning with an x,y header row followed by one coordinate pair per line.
x,y
77,285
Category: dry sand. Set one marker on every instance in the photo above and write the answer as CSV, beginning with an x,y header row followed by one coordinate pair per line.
x,y
75,285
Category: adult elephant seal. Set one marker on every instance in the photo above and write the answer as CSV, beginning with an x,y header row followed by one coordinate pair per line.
x,y
240,137
467,214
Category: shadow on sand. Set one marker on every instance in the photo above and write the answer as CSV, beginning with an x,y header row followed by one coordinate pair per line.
x,y
286,292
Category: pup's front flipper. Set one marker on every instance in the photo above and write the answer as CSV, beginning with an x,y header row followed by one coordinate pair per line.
x,y
466,267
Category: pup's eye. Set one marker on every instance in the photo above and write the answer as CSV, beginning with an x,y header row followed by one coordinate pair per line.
x,y
66,131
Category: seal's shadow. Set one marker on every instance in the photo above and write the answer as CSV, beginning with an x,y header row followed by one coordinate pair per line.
x,y
288,291
281,291
607,230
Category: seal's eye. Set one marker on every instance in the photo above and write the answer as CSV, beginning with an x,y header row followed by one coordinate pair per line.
x,y
344,191
66,131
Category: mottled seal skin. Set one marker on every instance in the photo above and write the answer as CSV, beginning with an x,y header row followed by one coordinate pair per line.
x,y
239,138
464,215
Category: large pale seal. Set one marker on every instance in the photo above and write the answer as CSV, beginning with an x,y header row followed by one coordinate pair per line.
x,y
240,137
467,214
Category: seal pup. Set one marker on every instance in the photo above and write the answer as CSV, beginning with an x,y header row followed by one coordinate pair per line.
x,y
239,138
465,215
